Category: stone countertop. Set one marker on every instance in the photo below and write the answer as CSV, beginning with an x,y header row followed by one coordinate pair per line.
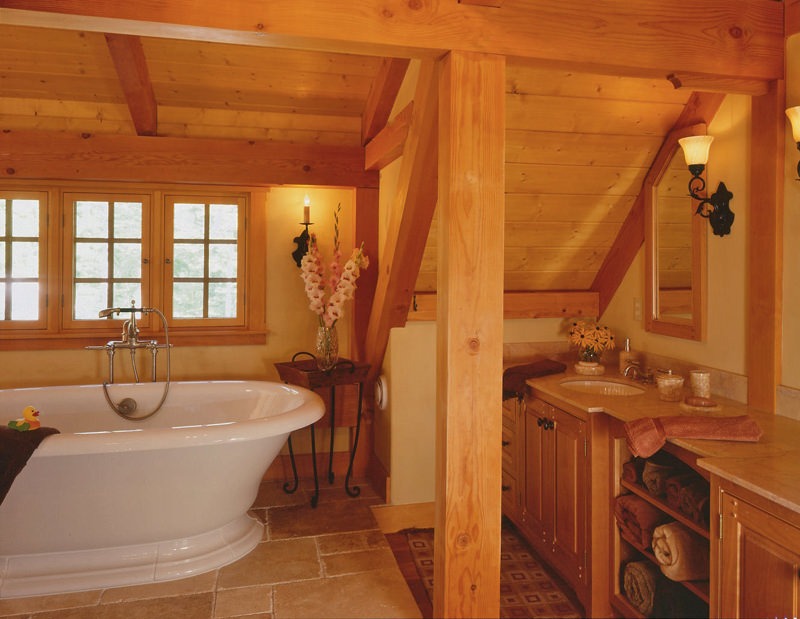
x,y
770,468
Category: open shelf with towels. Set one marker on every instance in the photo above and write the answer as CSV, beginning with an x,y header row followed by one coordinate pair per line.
x,y
646,583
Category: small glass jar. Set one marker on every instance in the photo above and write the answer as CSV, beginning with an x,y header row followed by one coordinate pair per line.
x,y
670,387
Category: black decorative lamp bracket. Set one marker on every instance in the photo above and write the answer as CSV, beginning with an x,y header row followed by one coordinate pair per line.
x,y
302,244
715,208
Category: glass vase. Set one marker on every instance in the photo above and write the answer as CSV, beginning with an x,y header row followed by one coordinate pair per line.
x,y
327,349
589,363
588,355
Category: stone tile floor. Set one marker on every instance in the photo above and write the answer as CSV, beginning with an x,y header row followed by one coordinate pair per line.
x,y
331,561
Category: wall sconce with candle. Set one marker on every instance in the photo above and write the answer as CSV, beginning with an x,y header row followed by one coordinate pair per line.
x,y
793,113
303,238
716,208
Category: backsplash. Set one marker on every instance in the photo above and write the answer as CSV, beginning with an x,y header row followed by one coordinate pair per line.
x,y
723,384
789,402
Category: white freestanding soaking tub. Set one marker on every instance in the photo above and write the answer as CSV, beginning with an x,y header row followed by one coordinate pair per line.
x,y
110,502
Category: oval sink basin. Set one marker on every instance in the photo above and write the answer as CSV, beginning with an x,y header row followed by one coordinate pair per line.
x,y
602,387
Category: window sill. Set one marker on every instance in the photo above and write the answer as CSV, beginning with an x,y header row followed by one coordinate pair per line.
x,y
81,340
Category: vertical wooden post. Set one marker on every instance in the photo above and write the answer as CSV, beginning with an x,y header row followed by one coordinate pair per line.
x,y
469,335
765,240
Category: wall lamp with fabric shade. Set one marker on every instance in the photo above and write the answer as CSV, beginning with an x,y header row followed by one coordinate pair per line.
x,y
716,208
793,113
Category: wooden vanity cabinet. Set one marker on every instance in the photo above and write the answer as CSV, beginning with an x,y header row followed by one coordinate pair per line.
x,y
755,555
556,463
565,499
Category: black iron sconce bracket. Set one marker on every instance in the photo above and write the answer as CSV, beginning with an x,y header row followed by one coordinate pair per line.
x,y
715,208
302,244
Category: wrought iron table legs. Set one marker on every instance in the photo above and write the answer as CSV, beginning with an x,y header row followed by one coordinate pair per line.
x,y
355,490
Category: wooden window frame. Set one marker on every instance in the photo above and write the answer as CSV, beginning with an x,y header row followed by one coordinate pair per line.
x,y
44,202
56,329
68,322
241,243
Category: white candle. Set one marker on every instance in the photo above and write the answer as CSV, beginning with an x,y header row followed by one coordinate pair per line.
x,y
306,210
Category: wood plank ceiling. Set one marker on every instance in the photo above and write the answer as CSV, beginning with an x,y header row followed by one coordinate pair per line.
x,y
578,145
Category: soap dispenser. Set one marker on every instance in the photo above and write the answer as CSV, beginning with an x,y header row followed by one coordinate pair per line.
x,y
626,356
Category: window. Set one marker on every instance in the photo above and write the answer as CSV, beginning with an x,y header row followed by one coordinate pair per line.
x,y
191,255
108,248
206,267
22,259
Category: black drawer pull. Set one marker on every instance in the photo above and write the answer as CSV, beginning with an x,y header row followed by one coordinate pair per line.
x,y
506,443
505,488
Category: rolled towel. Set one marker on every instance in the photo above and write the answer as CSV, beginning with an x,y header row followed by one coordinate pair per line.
x,y
637,519
673,488
695,501
682,554
647,435
640,581
632,470
654,477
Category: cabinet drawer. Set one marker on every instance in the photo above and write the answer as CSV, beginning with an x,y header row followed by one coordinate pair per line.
x,y
510,411
540,407
510,448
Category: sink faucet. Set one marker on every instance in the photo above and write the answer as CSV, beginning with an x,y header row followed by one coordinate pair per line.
x,y
632,370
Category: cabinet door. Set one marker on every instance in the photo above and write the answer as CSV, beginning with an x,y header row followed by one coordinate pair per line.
x,y
538,470
569,492
760,558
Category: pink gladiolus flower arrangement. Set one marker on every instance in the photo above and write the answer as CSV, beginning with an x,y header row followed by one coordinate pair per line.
x,y
339,284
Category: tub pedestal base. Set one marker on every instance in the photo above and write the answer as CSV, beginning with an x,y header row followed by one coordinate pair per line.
x,y
101,568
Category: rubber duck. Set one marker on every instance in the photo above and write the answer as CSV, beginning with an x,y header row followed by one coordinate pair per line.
x,y
28,421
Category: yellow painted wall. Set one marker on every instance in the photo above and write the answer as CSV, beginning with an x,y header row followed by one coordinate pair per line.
x,y
291,325
724,347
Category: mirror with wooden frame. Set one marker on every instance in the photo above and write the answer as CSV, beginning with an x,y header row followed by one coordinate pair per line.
x,y
675,244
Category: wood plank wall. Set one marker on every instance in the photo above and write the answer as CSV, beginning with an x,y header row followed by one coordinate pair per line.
x,y
578,146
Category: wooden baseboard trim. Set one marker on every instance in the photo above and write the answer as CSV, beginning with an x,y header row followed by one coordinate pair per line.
x,y
394,518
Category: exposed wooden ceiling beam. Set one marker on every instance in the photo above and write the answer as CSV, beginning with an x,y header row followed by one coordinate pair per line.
x,y
57,155
131,65
491,3
409,220
700,108
388,144
381,96
544,304
646,38
710,83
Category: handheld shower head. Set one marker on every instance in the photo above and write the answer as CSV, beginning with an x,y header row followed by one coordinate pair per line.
x,y
105,313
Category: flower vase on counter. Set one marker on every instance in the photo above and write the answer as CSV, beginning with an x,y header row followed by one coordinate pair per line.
x,y
592,340
589,363
327,349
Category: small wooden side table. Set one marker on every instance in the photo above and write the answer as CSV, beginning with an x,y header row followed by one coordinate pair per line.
x,y
305,373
